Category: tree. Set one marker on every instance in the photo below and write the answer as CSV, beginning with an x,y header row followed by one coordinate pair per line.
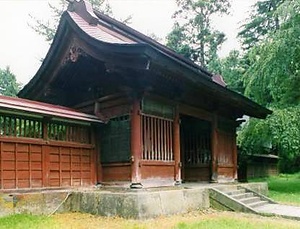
x,y
232,69
273,79
193,35
263,20
8,83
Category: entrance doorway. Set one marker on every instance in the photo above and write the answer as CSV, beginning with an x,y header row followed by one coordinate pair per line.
x,y
195,143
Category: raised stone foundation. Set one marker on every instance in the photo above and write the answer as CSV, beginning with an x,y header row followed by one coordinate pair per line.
x,y
127,203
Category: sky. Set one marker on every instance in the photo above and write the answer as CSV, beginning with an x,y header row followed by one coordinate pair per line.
x,y
21,48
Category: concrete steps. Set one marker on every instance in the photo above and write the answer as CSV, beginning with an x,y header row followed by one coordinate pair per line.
x,y
238,198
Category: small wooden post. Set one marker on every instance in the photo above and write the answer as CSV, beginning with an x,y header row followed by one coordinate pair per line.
x,y
235,172
94,150
99,171
176,147
136,145
214,150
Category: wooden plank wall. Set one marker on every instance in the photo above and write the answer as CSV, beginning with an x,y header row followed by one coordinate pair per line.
x,y
226,163
21,165
27,163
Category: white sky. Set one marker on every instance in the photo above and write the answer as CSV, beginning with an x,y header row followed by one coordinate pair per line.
x,y
21,48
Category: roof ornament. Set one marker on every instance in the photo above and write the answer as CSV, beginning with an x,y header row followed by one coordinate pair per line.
x,y
73,55
84,9
219,80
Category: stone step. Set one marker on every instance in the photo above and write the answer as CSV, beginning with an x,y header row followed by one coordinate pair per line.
x,y
250,200
258,204
235,192
242,195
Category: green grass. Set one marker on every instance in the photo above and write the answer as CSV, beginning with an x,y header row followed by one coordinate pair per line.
x,y
24,221
208,220
284,188
238,223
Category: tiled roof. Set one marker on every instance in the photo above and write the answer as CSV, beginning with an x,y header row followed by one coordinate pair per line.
x,y
100,32
44,109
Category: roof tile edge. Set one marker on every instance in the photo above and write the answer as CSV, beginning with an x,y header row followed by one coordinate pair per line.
x,y
85,10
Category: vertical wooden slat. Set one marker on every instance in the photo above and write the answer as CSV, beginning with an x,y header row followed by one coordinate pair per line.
x,y
165,139
16,165
158,157
144,137
71,166
45,165
60,166
45,128
10,126
93,158
30,165
1,165
14,127
80,161
176,147
171,141
149,141
152,138
4,125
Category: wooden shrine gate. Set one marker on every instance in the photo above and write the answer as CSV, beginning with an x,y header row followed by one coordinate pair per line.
x,y
41,153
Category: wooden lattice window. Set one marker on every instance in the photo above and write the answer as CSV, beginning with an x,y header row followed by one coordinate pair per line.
x,y
157,138
157,130
70,132
115,140
18,126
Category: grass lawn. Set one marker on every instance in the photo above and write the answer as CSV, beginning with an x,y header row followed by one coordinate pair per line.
x,y
209,220
284,188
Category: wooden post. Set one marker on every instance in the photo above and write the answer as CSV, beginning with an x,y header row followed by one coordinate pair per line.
x,y
214,150
45,153
176,147
97,151
235,169
136,145
94,164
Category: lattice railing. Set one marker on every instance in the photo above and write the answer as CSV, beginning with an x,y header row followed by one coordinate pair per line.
x,y
69,132
17,126
30,127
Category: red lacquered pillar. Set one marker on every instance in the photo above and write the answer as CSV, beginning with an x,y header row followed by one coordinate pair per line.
x,y
136,145
176,148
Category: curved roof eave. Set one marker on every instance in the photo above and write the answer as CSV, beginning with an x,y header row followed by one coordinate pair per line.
x,y
158,51
58,41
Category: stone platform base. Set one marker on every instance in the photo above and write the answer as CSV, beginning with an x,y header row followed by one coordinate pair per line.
x,y
127,203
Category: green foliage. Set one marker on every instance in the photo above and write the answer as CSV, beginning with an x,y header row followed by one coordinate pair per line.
x,y
178,41
283,188
274,75
232,69
262,21
193,35
8,83
273,79
279,133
